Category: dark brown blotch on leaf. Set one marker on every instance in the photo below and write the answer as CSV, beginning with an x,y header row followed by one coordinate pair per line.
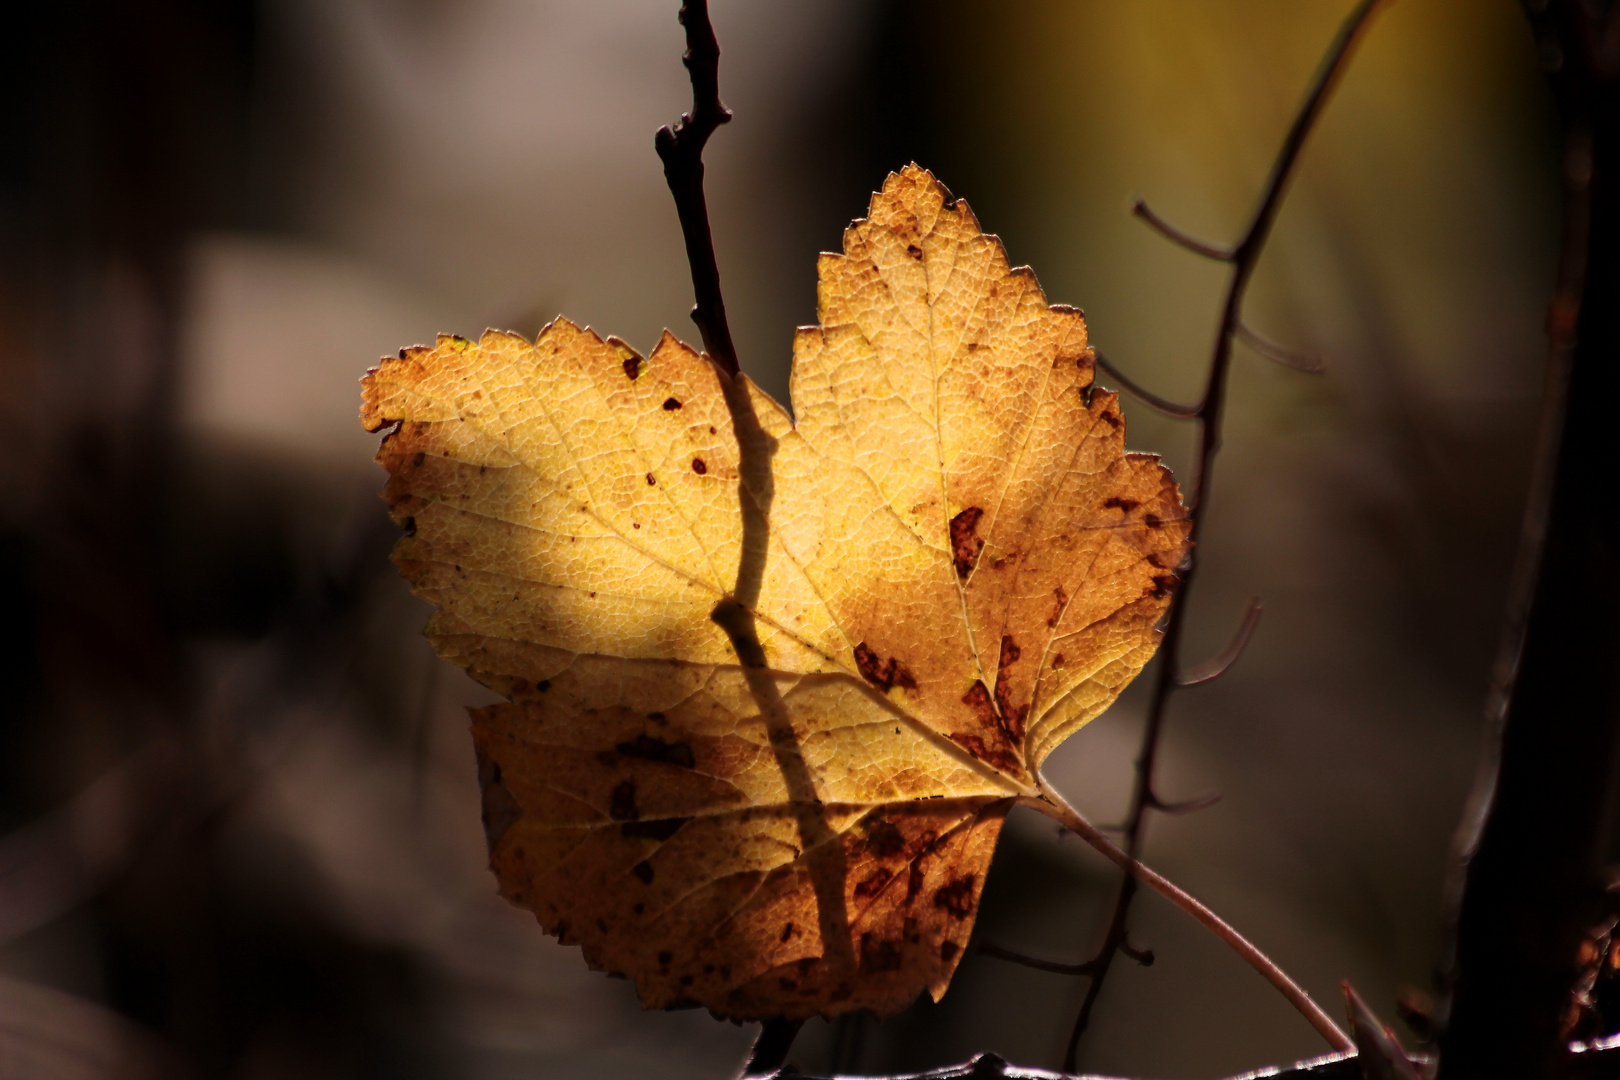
x,y
873,883
632,367
884,674
643,871
877,956
653,829
671,404
699,466
622,805
650,748
500,810
884,839
957,897
965,544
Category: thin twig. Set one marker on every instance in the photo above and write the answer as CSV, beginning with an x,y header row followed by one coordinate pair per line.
x,y
1215,667
1054,806
1013,956
681,150
1178,236
1281,354
1164,405
1243,256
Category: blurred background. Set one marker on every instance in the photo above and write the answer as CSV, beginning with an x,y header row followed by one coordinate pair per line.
x,y
239,830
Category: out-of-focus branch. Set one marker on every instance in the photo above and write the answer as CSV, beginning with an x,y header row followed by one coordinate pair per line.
x,y
1529,851
681,149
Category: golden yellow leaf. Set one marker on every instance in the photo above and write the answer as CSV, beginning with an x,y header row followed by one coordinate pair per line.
x,y
941,570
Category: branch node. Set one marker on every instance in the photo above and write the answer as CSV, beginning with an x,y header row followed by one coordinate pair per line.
x,y
1144,957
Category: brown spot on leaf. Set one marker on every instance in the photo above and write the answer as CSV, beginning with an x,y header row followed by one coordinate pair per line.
x,y
914,251
665,958
699,466
654,828
410,526
878,955
632,367
787,931
501,810
957,897
1117,502
1057,609
884,839
1111,418
1163,585
873,883
416,462
670,404
622,805
1011,719
999,757
650,748
884,674
543,685
978,699
1152,521
650,480
965,544
1058,661
644,871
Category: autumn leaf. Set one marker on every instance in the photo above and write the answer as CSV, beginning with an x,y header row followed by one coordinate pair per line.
x,y
772,685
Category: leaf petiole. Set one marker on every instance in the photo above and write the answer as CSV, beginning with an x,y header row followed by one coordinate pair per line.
x,y
1054,806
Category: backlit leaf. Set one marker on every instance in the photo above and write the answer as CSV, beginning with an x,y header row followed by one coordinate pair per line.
x,y
945,566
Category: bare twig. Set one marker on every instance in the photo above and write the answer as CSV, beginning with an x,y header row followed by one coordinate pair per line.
x,y
1164,405
1179,237
1243,257
1271,350
1526,882
1214,668
681,150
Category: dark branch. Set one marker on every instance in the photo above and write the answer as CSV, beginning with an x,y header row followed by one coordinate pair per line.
x,y
1183,239
1209,413
1164,405
1310,365
1214,668
1539,826
681,150
771,1047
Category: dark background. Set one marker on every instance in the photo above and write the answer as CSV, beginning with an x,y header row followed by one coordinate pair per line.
x,y
240,832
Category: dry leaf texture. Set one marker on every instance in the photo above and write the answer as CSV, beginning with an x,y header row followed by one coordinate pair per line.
x,y
772,686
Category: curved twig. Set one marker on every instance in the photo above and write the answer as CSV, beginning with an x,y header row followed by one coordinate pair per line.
x,y
1178,236
1310,365
1164,405
1218,665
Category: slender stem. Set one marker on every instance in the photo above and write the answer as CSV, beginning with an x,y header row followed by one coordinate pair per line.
x,y
1210,412
1053,805
681,149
